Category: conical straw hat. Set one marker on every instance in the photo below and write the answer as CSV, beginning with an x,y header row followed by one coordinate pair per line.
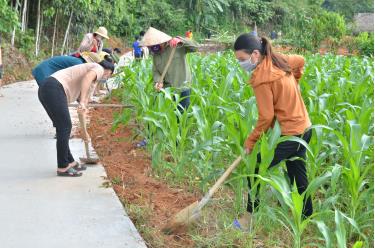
x,y
90,57
154,37
102,31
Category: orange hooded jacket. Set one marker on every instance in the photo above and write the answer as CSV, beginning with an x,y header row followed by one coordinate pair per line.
x,y
278,98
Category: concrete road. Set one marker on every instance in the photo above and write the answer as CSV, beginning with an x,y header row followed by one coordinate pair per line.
x,y
39,209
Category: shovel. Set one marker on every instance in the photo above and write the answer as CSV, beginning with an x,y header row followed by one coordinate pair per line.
x,y
86,139
191,213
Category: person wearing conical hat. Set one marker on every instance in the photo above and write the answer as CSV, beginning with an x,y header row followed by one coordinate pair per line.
x,y
178,74
93,42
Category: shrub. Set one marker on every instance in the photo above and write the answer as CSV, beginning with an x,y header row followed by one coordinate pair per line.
x,y
26,43
365,43
328,26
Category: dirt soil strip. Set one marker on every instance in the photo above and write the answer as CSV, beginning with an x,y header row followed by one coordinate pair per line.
x,y
129,170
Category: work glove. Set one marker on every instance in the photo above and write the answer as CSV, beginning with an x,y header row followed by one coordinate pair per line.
x,y
175,41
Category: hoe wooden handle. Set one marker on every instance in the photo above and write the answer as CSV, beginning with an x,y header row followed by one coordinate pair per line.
x,y
82,121
224,176
167,65
103,105
214,188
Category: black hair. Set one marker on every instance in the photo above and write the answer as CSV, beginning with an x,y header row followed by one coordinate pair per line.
x,y
142,33
117,50
107,50
108,58
107,65
248,43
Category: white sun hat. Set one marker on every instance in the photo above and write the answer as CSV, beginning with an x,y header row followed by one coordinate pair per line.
x,y
102,31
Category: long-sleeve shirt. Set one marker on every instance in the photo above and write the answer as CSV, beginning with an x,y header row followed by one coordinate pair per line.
x,y
52,65
278,98
88,45
178,74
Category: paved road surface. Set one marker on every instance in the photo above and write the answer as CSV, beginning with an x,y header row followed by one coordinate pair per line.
x,y
39,209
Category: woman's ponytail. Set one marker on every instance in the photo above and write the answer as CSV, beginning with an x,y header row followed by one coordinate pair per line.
x,y
266,47
248,43
277,59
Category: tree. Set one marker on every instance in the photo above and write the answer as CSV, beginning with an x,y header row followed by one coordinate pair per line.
x,y
8,19
17,6
349,8
75,9
24,16
327,25
38,27
204,11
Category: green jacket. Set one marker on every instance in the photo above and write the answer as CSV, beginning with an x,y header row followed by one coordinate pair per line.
x,y
178,74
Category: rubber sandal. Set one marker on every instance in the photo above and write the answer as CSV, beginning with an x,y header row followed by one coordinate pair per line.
x,y
79,167
142,143
69,173
237,225
243,223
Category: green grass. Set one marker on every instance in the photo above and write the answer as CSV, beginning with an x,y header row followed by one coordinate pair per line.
x,y
338,92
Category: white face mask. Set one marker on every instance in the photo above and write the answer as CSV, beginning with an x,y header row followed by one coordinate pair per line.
x,y
247,65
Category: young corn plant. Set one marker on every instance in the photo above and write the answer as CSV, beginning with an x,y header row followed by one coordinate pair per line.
x,y
338,92
339,234
291,211
357,168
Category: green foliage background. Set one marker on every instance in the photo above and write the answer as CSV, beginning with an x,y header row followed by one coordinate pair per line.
x,y
303,23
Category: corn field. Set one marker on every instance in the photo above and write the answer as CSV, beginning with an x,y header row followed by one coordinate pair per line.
x,y
195,147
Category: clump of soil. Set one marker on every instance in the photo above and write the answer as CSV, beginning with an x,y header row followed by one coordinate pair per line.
x,y
115,42
129,171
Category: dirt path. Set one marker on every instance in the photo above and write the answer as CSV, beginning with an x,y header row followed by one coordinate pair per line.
x,y
149,202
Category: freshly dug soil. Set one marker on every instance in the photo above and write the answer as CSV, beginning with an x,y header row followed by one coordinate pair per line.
x,y
129,172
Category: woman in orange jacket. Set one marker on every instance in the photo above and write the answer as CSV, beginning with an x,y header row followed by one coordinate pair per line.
x,y
274,80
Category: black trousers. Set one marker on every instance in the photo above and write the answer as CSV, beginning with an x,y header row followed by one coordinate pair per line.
x,y
52,96
296,169
185,101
